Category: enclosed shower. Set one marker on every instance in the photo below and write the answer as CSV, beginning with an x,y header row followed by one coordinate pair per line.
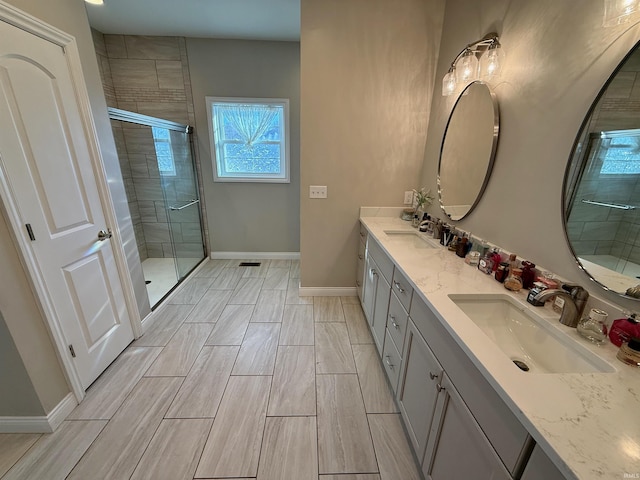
x,y
161,182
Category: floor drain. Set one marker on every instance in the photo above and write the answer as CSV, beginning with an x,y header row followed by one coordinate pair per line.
x,y
521,365
249,264
147,282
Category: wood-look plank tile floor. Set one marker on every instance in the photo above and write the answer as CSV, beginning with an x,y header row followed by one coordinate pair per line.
x,y
238,378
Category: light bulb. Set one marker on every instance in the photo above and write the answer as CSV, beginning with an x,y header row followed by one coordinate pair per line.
x,y
467,68
491,62
449,83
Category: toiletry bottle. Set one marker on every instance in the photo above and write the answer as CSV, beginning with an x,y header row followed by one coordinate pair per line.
x,y
528,274
472,258
485,264
501,272
416,221
593,326
629,353
623,329
513,281
535,290
461,248
497,258
453,244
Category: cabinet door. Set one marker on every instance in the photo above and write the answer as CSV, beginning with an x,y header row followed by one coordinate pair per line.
x,y
417,395
540,467
371,277
457,446
360,270
380,309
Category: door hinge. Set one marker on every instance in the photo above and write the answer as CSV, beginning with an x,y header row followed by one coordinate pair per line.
x,y
73,352
30,232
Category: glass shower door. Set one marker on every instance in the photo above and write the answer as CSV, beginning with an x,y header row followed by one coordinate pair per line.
x,y
181,194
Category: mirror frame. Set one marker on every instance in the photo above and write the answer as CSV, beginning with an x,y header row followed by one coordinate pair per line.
x,y
570,173
492,155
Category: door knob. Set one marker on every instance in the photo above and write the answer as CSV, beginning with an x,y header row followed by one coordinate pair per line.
x,y
104,235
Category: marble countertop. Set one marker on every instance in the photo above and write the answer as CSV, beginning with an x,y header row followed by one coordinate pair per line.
x,y
587,423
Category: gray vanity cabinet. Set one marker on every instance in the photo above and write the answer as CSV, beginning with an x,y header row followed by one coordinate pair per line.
x,y
360,269
540,467
369,288
381,307
457,446
377,290
417,393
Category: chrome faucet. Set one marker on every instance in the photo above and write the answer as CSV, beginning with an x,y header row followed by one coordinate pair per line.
x,y
575,300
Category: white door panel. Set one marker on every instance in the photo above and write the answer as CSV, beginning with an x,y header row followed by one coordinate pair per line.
x,y
46,163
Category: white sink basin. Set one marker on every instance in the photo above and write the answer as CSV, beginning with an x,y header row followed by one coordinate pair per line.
x,y
414,239
525,337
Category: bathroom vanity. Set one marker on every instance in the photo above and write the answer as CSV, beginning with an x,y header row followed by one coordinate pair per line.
x,y
469,411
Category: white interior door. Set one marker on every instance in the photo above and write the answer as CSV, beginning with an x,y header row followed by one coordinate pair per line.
x,y
48,177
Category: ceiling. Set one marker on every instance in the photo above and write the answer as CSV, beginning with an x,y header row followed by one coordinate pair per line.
x,y
239,19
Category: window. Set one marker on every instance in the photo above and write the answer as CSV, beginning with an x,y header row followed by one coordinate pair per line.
x,y
164,154
249,139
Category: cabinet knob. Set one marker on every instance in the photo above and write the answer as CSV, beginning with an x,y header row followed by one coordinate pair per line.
x,y
440,387
388,362
373,272
360,256
393,322
398,286
432,376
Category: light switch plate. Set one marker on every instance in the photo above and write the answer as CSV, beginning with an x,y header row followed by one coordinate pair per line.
x,y
408,198
317,191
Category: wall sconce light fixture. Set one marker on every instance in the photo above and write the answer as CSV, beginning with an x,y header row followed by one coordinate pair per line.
x,y
95,2
619,11
466,68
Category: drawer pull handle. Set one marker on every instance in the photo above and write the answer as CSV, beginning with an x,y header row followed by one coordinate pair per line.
x,y
393,322
439,387
432,376
398,286
388,362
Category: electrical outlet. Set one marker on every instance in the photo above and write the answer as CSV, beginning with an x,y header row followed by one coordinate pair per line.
x,y
317,191
408,198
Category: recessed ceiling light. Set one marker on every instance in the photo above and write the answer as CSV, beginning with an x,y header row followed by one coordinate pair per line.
x,y
95,2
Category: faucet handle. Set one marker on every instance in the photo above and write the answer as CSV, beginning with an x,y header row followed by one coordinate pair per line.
x,y
577,291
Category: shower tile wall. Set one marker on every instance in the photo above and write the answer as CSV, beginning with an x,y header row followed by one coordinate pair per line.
x,y
604,231
147,75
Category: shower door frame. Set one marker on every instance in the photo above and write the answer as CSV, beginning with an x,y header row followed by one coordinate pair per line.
x,y
148,121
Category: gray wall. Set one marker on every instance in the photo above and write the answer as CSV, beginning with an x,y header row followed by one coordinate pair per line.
x,y
557,59
18,395
368,69
248,217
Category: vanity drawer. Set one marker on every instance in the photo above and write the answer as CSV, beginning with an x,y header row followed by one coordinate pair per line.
x,y
392,361
402,288
397,322
508,437
382,259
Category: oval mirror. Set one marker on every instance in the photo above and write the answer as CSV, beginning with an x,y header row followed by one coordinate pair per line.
x,y
601,195
468,150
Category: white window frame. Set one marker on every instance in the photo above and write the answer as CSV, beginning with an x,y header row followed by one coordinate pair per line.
x,y
216,149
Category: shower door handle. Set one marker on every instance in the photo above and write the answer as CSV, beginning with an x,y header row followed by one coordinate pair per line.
x,y
192,202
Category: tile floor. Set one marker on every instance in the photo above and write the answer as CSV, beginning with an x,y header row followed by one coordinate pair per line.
x,y
238,378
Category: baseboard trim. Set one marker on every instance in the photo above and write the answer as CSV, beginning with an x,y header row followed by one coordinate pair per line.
x,y
42,424
327,291
255,255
